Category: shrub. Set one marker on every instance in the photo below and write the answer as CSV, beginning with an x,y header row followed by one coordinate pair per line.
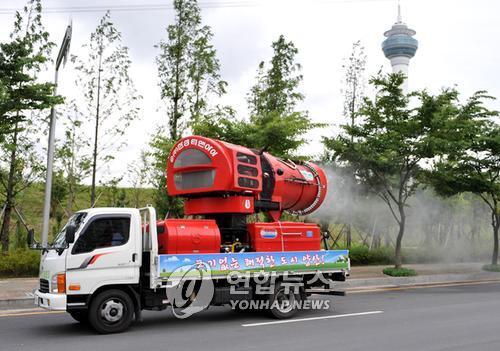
x,y
20,263
492,267
362,255
399,272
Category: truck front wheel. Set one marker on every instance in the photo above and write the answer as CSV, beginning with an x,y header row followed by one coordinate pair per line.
x,y
79,316
111,311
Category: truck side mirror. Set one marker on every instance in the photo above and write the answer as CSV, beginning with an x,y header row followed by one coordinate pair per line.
x,y
70,234
30,238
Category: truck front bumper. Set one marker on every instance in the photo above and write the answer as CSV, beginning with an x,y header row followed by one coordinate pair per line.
x,y
51,302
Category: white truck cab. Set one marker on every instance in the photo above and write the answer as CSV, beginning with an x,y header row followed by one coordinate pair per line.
x,y
98,247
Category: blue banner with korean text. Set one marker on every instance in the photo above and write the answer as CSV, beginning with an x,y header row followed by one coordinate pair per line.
x,y
224,263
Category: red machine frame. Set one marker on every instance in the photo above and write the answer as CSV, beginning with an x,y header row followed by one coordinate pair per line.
x,y
226,183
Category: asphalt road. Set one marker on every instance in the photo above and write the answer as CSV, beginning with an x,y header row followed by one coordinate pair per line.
x,y
440,318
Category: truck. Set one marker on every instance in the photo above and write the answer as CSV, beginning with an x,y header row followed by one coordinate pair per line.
x,y
107,265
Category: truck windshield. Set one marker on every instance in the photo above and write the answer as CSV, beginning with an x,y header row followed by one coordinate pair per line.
x,y
76,220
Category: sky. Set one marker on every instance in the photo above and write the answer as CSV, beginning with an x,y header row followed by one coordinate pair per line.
x,y
458,45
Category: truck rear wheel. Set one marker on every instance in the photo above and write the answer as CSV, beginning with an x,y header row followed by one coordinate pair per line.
x,y
283,302
111,311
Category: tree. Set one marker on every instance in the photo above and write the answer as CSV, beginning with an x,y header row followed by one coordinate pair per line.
x,y
188,69
386,150
20,166
277,88
109,93
164,204
72,154
277,125
471,163
173,64
204,74
21,60
5,123
139,175
354,81
116,197
223,124
353,91
274,123
59,192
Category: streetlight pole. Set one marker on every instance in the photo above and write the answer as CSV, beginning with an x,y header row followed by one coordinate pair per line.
x,y
61,58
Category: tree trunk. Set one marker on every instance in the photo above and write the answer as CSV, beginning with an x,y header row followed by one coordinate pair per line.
x,y
398,259
9,200
177,95
348,236
71,197
496,224
5,227
94,163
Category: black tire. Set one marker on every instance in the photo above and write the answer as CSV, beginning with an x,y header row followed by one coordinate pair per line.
x,y
282,303
80,316
111,311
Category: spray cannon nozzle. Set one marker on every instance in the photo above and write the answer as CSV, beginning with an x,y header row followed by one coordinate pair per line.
x,y
218,177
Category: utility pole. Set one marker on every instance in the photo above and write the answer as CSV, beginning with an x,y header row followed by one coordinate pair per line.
x,y
61,58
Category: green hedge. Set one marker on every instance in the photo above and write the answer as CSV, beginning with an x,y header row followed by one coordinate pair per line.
x,y
491,268
399,272
19,263
362,255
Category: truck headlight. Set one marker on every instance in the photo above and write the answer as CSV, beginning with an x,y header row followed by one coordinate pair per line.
x,y
58,283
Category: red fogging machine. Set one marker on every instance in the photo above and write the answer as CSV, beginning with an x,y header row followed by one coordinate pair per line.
x,y
225,186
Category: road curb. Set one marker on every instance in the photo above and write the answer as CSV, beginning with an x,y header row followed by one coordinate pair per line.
x,y
11,304
360,284
382,288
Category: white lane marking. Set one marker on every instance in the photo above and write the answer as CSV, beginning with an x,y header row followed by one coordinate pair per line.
x,y
312,318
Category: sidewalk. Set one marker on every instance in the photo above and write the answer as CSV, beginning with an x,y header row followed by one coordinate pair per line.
x,y
17,293
365,278
422,269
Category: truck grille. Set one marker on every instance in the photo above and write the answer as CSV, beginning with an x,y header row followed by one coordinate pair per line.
x,y
44,286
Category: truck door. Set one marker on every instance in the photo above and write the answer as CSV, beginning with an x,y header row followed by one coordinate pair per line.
x,y
104,253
